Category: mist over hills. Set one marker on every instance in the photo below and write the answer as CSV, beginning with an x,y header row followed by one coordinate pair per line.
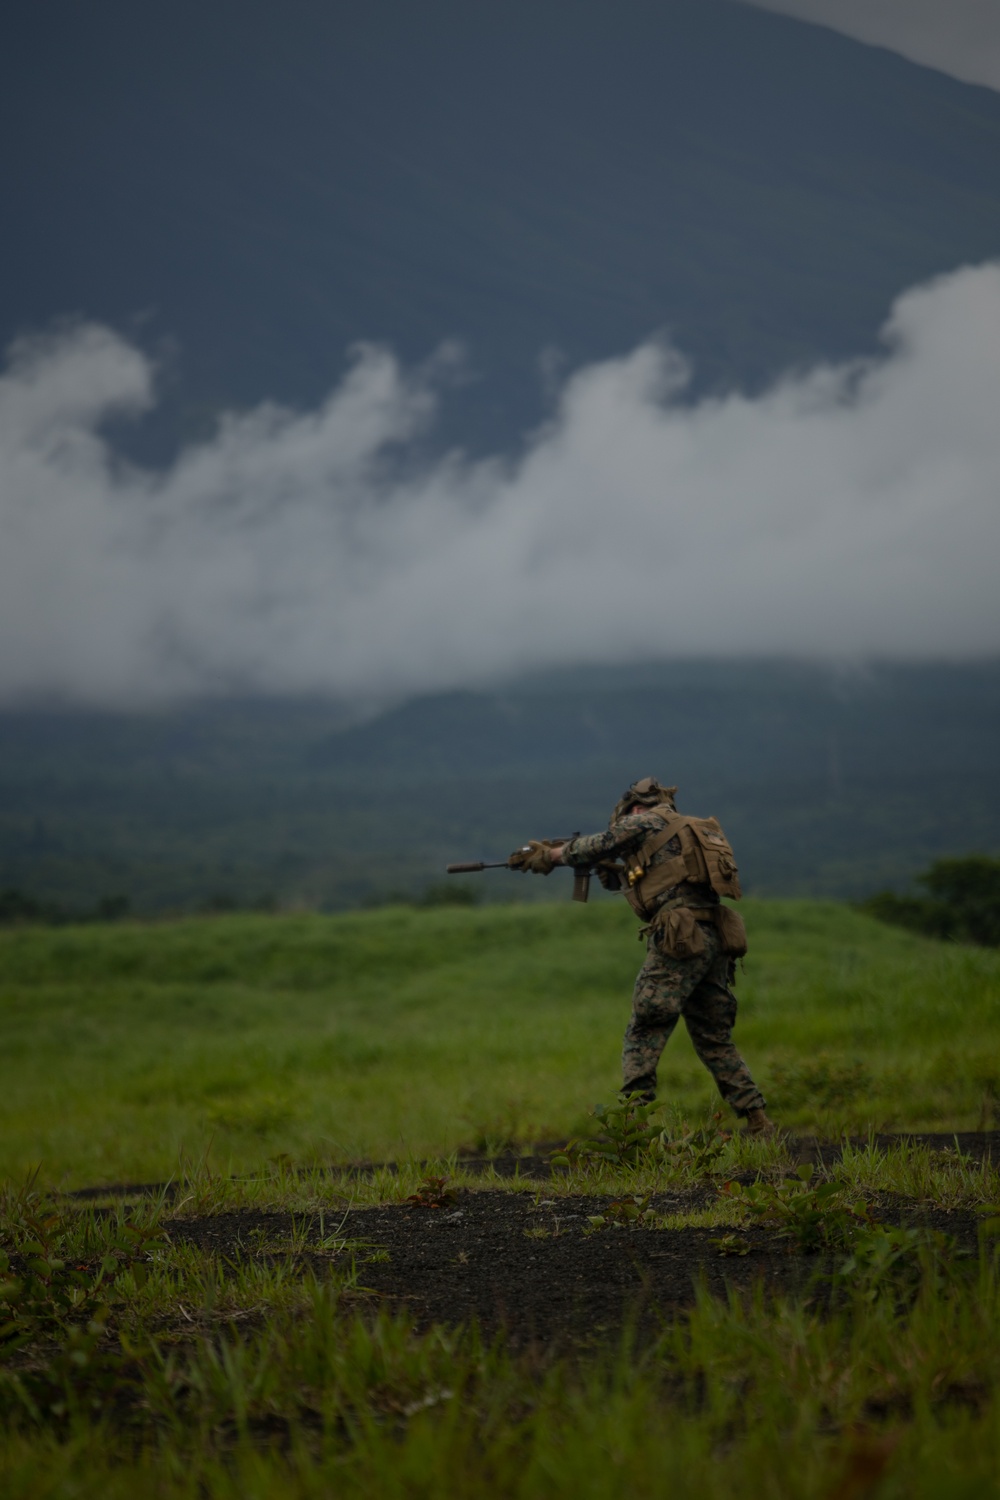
x,y
251,189
829,783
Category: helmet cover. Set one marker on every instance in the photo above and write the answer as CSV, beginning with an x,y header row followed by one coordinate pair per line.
x,y
648,793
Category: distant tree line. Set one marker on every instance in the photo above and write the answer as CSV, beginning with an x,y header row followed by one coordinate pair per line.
x,y
17,907
962,902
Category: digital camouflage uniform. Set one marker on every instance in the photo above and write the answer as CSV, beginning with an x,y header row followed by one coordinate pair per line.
x,y
698,988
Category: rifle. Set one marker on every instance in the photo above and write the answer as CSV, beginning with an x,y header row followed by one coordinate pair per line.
x,y
581,873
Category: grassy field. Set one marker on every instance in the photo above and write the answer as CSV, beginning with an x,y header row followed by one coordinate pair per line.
x,y
133,1050
222,1343
753,1402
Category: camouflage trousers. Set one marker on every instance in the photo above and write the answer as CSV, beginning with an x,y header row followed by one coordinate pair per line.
x,y
699,990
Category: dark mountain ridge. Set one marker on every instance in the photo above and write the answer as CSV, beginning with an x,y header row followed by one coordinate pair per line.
x,y
255,188
829,783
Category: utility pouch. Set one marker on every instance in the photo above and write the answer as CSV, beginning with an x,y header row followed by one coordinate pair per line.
x,y
732,931
677,932
715,852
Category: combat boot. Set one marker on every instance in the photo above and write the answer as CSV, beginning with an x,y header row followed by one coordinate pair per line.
x,y
759,1124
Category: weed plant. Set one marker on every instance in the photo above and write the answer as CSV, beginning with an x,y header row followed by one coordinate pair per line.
x,y
810,1215
630,1133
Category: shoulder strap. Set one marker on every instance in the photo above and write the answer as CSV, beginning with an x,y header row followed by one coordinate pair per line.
x,y
689,864
672,823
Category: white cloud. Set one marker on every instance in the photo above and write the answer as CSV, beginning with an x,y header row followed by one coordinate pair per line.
x,y
849,512
961,37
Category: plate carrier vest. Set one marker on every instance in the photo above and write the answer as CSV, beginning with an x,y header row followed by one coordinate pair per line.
x,y
706,858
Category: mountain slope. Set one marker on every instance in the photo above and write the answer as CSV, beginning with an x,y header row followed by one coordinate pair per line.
x,y
828,784
266,186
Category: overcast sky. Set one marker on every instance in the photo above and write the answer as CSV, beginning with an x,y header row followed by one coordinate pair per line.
x,y
848,512
961,37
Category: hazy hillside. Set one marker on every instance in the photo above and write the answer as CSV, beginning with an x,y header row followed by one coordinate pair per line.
x,y
831,784
251,188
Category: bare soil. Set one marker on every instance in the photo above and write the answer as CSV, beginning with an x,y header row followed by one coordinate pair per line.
x,y
534,1270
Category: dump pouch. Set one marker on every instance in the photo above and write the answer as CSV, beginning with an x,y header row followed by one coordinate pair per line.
x,y
678,933
732,931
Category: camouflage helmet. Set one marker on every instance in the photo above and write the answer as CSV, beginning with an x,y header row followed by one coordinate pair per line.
x,y
648,792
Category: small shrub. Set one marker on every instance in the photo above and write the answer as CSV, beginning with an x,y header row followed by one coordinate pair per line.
x,y
810,1218
963,902
697,1150
433,1192
730,1244
626,1213
969,888
627,1133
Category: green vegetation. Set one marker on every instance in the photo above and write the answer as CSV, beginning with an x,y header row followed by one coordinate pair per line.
x,y
265,1375
17,908
826,785
963,902
757,1401
136,1358
134,1051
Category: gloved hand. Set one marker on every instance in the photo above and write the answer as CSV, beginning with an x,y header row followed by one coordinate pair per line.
x,y
610,877
534,856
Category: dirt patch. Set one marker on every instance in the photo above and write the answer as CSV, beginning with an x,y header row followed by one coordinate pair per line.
x,y
536,1271
534,1161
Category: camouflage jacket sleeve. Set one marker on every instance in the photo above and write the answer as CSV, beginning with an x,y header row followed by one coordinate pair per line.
x,y
622,837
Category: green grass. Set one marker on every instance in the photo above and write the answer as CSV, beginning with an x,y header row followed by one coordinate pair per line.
x,y
138,1051
259,1372
755,1400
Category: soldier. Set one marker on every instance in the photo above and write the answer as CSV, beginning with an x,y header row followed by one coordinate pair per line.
x,y
672,869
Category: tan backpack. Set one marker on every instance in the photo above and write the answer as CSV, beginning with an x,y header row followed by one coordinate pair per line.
x,y
706,858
